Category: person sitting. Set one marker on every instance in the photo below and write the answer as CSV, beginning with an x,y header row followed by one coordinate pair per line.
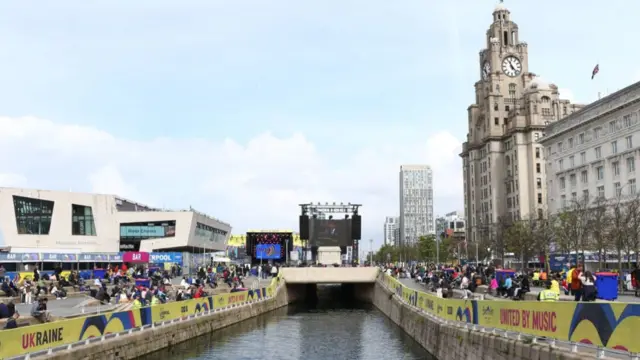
x,y
7,310
58,293
39,310
522,289
12,323
8,291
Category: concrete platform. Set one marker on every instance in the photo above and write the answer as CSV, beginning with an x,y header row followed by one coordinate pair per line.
x,y
329,275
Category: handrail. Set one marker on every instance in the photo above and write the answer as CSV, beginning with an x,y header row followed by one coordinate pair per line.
x,y
102,338
572,346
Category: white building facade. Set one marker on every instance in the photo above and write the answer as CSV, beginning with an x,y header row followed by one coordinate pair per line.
x,y
390,230
594,152
503,163
416,203
50,221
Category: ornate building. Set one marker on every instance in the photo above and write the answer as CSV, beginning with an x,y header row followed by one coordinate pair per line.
x,y
503,165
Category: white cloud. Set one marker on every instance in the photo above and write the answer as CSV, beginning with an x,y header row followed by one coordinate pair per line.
x,y
254,185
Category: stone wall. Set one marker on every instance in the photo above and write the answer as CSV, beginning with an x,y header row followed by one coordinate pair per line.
x,y
139,343
449,342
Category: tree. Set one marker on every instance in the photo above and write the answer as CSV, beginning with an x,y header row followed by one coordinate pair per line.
x,y
598,227
632,239
572,226
519,238
545,236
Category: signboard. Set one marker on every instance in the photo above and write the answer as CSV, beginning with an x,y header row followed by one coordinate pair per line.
x,y
115,258
142,231
93,258
266,252
168,257
53,257
19,257
135,257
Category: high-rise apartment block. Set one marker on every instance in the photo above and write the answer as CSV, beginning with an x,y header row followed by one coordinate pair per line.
x,y
416,203
503,163
390,230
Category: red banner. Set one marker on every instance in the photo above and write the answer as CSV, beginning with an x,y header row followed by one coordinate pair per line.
x,y
135,257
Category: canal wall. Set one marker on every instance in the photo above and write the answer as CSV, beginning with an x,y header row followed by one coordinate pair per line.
x,y
450,342
139,343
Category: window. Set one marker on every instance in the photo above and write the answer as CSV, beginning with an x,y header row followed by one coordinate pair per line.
x,y
571,143
631,164
572,180
496,121
598,152
546,111
538,168
629,142
632,186
537,153
563,201
82,222
614,147
601,191
539,198
33,216
627,120
506,108
539,183
563,183
584,177
561,164
583,158
618,188
612,126
597,132
615,168
572,161
559,147
600,172
585,195
581,139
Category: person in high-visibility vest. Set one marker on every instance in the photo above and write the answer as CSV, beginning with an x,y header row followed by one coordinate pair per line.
x,y
548,294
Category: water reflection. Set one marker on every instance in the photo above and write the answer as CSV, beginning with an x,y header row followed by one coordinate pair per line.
x,y
297,333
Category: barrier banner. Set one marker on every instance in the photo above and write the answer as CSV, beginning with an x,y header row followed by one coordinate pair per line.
x,y
52,257
33,338
609,325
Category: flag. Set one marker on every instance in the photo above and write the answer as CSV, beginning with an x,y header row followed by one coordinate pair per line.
x,y
595,71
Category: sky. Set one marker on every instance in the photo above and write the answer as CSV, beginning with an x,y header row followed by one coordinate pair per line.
x,y
245,109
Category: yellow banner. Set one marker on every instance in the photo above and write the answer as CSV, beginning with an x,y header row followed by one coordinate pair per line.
x,y
602,324
40,337
237,241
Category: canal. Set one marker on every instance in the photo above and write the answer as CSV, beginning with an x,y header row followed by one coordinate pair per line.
x,y
330,328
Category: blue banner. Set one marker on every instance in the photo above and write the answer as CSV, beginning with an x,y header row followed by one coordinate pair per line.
x,y
266,252
93,258
115,258
54,257
19,257
167,257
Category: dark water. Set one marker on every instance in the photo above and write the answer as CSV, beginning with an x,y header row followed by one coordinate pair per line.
x,y
319,332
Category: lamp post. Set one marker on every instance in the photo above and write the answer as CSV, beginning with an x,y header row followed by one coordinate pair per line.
x,y
370,252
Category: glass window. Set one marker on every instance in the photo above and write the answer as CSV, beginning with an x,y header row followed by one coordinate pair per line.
x,y
82,222
33,216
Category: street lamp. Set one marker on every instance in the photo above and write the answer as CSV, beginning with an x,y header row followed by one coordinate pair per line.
x,y
370,252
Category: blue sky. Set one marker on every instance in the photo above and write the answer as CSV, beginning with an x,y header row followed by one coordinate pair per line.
x,y
246,109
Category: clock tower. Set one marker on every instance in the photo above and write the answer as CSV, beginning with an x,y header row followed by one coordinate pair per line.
x,y
503,166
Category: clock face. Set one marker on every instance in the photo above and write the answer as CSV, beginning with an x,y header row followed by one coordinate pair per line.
x,y
511,66
486,70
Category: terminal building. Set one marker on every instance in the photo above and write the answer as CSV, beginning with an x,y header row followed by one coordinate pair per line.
x,y
35,221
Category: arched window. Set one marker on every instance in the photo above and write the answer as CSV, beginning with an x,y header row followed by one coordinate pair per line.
x,y
512,90
545,100
513,37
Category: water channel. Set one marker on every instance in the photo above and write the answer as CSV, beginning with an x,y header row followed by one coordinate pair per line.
x,y
331,329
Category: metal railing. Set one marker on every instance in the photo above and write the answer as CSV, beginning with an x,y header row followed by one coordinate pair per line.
x,y
102,338
600,352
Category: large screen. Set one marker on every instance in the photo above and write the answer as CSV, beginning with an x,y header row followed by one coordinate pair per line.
x,y
332,232
268,251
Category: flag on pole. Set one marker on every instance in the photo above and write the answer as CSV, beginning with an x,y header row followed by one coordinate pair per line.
x,y
595,71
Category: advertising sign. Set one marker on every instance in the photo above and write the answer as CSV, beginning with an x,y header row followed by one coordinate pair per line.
x,y
19,257
168,257
115,258
93,258
52,257
142,231
266,252
135,257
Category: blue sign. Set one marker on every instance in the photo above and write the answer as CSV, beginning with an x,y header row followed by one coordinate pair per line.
x,y
142,231
557,262
53,257
93,258
266,252
19,257
115,258
167,257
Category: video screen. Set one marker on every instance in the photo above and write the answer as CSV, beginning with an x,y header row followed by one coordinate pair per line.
x,y
268,252
332,232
